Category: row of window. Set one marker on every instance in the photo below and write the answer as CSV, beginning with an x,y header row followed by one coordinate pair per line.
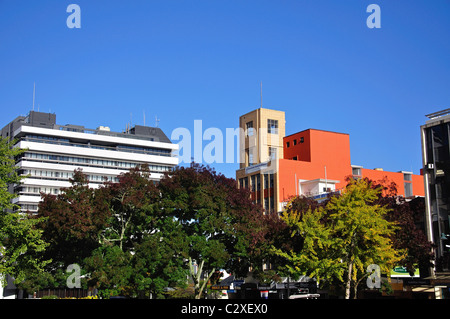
x,y
29,207
82,161
294,142
32,190
45,174
122,148
255,180
272,127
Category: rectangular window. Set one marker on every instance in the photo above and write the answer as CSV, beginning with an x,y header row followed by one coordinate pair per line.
x,y
249,127
273,153
408,189
272,126
266,204
253,181
356,171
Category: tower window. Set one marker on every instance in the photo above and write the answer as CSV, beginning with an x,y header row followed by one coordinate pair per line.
x,y
272,126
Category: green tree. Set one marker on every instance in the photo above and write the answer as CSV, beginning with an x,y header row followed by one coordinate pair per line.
x,y
213,214
132,203
141,231
410,236
159,260
21,243
361,232
311,252
110,271
340,240
74,220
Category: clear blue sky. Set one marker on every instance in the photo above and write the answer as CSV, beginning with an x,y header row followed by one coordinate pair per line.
x,y
187,60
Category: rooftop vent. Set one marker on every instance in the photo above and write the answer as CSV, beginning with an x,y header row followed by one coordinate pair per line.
x,y
438,114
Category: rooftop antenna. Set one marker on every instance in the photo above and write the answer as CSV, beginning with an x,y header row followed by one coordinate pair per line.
x,y
156,121
261,94
144,117
34,93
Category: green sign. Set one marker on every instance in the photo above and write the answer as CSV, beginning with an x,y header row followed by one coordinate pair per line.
x,y
401,271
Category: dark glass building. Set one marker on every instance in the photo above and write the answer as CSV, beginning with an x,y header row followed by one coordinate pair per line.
x,y
435,135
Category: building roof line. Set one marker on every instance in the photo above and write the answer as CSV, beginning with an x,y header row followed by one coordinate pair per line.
x,y
314,129
438,114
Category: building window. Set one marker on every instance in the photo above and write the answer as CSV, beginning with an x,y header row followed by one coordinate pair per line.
x,y
272,126
253,180
249,127
287,144
243,182
273,153
268,181
356,171
266,204
295,142
408,189
407,177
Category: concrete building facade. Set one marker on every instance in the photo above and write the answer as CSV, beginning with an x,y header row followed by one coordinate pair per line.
x,y
54,151
311,162
435,136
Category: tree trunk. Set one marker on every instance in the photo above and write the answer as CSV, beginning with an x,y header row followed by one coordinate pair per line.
x,y
355,291
349,280
355,288
196,277
204,284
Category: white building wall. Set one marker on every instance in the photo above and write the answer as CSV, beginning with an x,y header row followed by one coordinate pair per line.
x,y
50,176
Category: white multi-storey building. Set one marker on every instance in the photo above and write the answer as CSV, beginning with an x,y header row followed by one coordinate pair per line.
x,y
54,151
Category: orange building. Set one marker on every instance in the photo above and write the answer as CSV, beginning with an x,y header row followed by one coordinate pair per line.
x,y
311,162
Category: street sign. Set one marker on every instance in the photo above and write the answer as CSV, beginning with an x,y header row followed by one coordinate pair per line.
x,y
220,287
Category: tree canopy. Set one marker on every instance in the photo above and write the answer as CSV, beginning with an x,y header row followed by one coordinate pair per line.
x,y
21,243
340,239
193,221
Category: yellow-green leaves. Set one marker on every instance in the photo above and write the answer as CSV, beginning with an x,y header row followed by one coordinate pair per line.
x,y
341,238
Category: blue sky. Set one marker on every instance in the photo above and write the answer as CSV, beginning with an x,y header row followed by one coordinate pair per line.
x,y
188,60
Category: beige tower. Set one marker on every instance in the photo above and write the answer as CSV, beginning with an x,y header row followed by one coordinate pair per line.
x,y
261,145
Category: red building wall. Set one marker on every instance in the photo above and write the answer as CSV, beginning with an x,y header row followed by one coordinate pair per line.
x,y
315,150
320,151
